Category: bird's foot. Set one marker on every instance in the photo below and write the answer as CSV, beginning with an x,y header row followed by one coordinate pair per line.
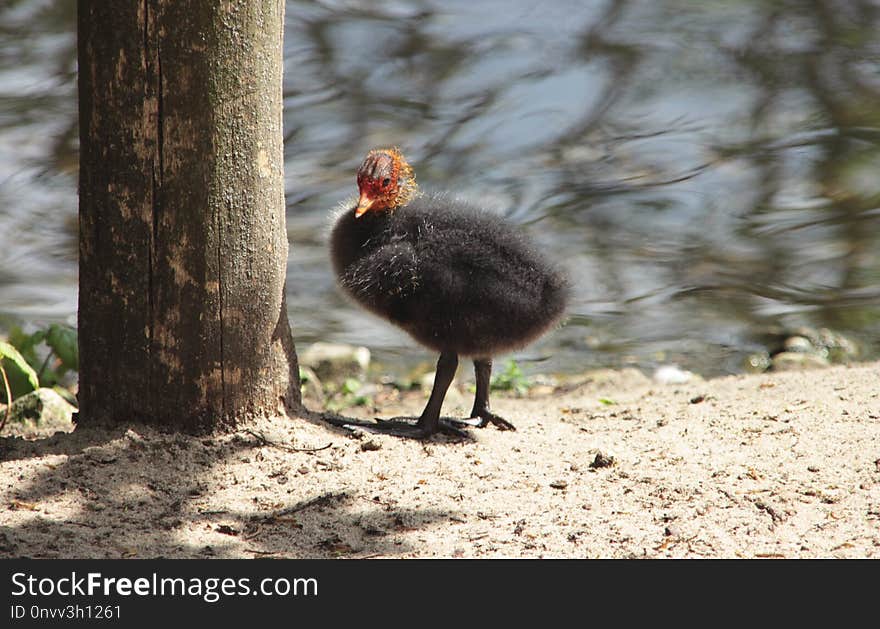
x,y
398,427
402,427
481,419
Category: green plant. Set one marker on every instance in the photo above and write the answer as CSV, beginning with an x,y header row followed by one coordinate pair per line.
x,y
346,395
25,369
304,379
511,379
12,363
61,340
19,376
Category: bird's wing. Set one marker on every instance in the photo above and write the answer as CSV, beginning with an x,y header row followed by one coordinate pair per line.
x,y
387,274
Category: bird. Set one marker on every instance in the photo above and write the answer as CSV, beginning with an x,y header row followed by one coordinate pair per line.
x,y
459,279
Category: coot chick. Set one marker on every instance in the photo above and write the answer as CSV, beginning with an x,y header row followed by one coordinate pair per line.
x,y
458,279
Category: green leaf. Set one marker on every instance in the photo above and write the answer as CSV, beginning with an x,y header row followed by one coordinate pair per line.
x,y
22,377
511,379
62,340
607,401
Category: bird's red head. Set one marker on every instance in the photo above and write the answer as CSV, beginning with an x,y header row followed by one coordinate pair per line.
x,y
385,181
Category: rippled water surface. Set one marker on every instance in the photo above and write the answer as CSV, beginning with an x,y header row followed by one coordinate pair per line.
x,y
705,170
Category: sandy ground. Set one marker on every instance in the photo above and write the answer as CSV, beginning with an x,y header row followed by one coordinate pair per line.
x,y
775,465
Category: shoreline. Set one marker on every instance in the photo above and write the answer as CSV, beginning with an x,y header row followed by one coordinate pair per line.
x,y
767,465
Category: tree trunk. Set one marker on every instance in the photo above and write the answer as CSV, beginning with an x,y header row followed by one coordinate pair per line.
x,y
183,244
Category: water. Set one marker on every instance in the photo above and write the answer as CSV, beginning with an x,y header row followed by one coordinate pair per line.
x,y
705,170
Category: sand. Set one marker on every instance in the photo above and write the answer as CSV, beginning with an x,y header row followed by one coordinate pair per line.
x,y
771,465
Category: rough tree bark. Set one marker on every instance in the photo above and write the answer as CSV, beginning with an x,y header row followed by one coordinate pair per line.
x,y
183,244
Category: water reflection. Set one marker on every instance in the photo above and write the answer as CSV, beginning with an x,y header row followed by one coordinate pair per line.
x,y
706,171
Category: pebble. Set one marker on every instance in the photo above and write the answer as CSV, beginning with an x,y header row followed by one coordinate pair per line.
x,y
336,361
602,460
672,374
798,344
559,484
134,438
816,348
370,445
43,406
758,362
795,361
100,455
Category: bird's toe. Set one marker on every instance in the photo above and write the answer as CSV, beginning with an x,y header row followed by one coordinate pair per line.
x,y
483,418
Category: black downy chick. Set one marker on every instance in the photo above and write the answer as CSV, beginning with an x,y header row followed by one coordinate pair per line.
x,y
459,280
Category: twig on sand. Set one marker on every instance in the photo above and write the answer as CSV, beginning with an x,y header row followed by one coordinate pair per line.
x,y
319,501
268,442
281,516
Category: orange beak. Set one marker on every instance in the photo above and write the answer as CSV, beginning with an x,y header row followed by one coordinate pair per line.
x,y
364,204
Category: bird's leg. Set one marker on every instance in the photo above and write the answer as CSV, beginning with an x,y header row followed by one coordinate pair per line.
x,y
483,372
429,422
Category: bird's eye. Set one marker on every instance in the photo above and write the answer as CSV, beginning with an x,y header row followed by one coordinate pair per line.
x,y
386,181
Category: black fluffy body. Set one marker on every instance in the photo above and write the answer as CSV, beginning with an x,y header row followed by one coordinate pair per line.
x,y
456,278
